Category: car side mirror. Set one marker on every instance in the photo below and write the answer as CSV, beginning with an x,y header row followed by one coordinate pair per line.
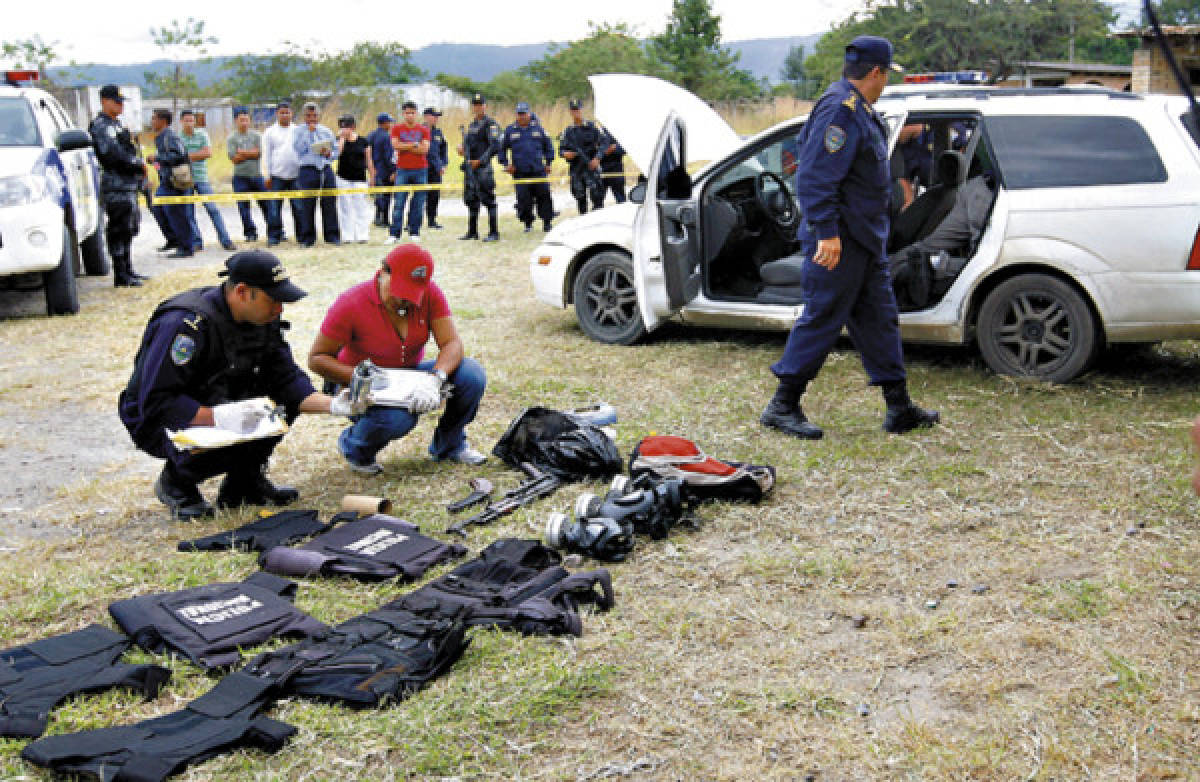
x,y
638,193
68,140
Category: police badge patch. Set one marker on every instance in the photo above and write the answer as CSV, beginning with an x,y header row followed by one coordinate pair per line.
x,y
835,139
182,349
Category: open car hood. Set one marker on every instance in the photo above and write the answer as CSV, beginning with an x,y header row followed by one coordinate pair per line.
x,y
634,107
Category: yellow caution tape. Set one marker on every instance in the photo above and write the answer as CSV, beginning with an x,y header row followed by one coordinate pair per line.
x,y
336,191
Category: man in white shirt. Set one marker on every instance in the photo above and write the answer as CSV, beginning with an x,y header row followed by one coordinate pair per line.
x,y
281,166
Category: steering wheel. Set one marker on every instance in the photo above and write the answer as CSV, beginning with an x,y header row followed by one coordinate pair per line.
x,y
778,205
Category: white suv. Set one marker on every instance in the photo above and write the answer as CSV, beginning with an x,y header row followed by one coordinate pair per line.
x,y
51,220
1092,235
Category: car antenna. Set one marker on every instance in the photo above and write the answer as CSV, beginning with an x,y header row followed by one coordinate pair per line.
x,y
1184,84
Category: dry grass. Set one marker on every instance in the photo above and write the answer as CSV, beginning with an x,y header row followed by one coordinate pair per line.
x,y
732,653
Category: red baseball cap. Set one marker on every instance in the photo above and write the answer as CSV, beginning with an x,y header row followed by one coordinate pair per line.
x,y
411,268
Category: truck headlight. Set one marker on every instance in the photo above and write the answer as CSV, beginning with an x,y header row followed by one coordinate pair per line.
x,y
22,190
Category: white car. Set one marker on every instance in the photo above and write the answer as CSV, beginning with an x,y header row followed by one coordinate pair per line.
x,y
1092,236
51,219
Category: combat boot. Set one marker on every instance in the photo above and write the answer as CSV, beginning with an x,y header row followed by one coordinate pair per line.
x,y
902,414
472,225
493,226
181,496
783,411
123,276
256,489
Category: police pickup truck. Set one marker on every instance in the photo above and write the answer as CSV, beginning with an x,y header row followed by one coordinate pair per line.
x,y
51,220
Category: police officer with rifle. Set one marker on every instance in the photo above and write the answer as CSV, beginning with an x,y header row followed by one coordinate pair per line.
x,y
579,145
205,357
481,141
124,173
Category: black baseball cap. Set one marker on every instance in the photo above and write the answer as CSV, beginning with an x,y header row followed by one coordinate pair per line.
x,y
261,269
112,92
346,121
478,99
430,111
575,103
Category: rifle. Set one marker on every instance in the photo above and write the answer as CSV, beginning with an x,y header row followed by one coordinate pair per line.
x,y
590,179
539,485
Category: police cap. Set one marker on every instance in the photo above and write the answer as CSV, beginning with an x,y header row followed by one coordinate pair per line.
x,y
575,103
478,99
385,117
430,111
261,269
523,107
112,92
871,50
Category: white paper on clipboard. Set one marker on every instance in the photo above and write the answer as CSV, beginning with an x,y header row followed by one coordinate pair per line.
x,y
209,437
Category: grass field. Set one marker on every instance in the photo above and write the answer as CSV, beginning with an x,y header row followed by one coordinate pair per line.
x,y
1012,595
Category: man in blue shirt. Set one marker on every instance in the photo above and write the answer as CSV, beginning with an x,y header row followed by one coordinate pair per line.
x,y
532,154
843,184
316,148
383,157
170,153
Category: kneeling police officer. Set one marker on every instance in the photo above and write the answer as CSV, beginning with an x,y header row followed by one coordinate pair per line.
x,y
205,355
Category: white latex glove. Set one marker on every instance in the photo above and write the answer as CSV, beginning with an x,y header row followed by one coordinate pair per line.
x,y
241,417
427,395
343,404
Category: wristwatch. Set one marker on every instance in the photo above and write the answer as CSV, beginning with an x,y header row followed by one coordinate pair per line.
x,y
441,376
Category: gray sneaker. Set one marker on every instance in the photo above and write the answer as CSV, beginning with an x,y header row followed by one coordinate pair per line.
x,y
372,468
466,455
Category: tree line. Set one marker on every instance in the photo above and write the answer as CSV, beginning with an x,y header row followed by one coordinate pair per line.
x,y
929,35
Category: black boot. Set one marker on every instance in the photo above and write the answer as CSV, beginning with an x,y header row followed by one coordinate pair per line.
x,y
255,489
472,225
783,411
902,415
493,225
123,276
181,496
546,225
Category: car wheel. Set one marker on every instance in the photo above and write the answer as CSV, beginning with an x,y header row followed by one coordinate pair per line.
x,y
95,254
62,295
606,303
1038,326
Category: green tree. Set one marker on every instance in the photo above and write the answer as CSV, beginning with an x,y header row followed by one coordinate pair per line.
x,y
690,51
1177,12
365,64
991,35
563,72
255,78
30,53
181,42
794,74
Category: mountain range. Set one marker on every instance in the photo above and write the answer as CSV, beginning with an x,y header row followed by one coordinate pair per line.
x,y
481,62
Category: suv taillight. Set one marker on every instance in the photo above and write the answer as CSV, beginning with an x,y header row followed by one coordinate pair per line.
x,y
1194,258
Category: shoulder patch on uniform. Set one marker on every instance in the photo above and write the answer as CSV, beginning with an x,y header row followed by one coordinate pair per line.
x,y
182,349
851,102
835,139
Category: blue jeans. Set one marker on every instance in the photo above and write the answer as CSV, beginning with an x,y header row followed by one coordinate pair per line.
x,y
377,427
275,209
176,216
204,188
406,176
250,184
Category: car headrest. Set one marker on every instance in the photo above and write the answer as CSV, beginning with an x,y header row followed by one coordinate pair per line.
x,y
951,168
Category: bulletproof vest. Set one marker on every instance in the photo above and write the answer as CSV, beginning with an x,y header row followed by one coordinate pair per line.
x,y
36,677
479,138
384,655
237,355
209,624
375,548
278,529
224,719
583,139
514,585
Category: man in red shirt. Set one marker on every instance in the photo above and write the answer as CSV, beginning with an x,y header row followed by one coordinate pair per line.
x,y
388,319
410,139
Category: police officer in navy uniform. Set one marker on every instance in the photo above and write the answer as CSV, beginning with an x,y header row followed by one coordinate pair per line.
x,y
612,167
579,145
383,158
205,357
482,142
843,186
437,157
532,154
124,173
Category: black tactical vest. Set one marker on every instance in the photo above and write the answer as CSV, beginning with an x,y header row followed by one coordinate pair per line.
x,y
209,624
375,548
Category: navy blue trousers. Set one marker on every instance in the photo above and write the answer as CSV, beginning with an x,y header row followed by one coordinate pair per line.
x,y
856,294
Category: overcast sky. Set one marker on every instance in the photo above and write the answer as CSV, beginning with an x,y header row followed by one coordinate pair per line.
x,y
121,32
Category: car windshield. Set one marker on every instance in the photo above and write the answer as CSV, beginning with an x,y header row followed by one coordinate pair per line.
x,y
17,126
